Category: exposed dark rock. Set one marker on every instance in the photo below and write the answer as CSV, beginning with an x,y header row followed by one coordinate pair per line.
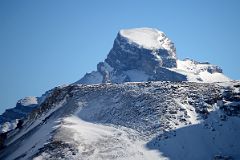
x,y
221,157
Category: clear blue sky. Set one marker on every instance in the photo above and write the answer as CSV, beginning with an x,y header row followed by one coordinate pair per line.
x,y
45,43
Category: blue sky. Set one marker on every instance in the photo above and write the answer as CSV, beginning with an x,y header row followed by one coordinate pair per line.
x,y
45,43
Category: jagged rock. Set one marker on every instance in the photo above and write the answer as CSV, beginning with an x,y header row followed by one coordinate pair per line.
x,y
128,53
143,54
221,157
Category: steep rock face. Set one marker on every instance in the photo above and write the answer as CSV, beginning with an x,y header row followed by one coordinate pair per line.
x,y
142,49
144,54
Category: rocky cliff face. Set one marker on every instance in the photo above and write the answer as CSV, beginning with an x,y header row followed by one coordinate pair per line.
x,y
128,55
144,54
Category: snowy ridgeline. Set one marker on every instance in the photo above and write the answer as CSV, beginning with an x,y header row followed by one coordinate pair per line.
x,y
152,120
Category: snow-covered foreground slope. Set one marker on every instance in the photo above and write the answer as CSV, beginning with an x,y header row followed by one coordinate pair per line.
x,y
97,141
154,120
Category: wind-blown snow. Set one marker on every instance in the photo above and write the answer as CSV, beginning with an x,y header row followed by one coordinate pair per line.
x,y
96,141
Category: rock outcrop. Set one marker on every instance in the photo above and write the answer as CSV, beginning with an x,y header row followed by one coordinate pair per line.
x,y
145,54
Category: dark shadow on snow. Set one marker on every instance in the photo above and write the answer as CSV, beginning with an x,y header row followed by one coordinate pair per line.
x,y
201,141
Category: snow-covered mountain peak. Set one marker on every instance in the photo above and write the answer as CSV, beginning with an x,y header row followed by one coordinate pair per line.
x,y
28,101
147,54
149,38
135,120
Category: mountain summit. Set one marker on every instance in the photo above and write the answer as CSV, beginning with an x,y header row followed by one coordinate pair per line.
x,y
147,54
137,55
167,119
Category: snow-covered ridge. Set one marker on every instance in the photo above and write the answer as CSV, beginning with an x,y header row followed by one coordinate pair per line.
x,y
150,120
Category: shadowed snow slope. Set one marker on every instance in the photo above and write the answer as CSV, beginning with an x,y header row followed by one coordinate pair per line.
x,y
157,120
